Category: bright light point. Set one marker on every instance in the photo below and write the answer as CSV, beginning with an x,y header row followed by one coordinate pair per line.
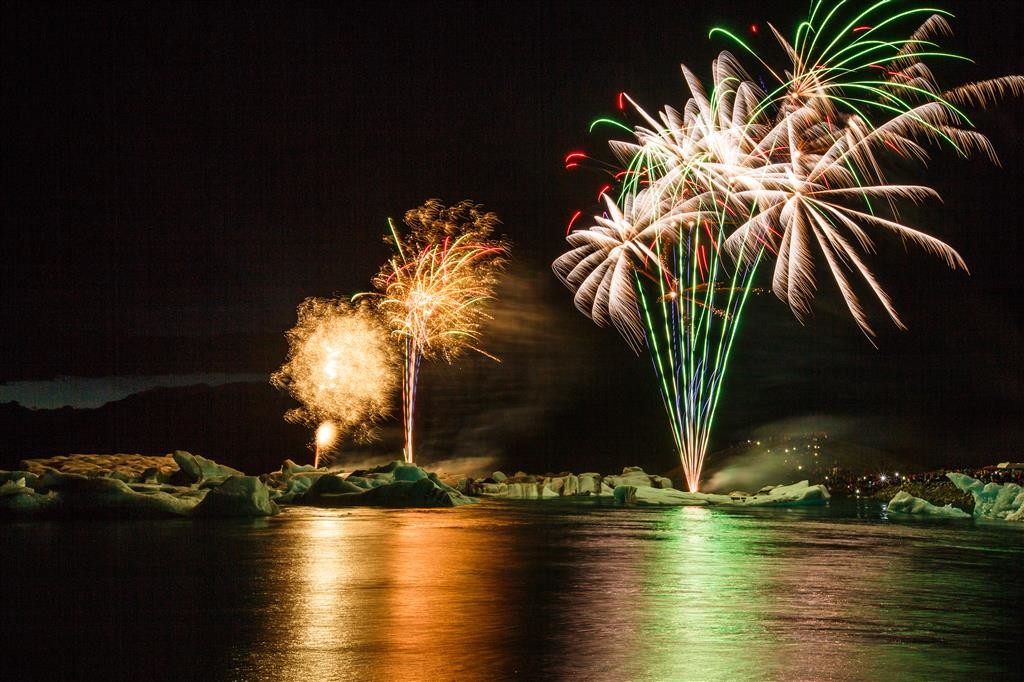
x,y
325,435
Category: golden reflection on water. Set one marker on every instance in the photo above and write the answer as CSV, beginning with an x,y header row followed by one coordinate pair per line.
x,y
389,595
328,568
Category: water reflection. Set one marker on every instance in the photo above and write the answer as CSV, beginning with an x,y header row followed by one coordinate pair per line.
x,y
324,620
374,594
531,590
549,590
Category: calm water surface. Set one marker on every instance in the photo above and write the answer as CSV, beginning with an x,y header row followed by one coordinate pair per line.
x,y
501,590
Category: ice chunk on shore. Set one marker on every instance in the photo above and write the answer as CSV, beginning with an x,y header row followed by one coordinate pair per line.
x,y
992,500
291,481
395,484
238,496
797,494
105,491
199,469
18,498
634,486
528,487
590,483
421,493
329,484
646,495
79,494
905,503
636,476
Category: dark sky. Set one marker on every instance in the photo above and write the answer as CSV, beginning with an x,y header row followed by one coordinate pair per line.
x,y
177,177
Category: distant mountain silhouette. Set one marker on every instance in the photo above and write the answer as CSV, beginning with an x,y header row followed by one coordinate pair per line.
x,y
238,424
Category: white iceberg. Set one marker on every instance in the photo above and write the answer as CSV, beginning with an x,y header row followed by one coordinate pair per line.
x,y
992,500
395,484
646,495
81,495
16,497
108,490
237,496
198,468
905,503
523,486
634,486
797,494
589,484
636,476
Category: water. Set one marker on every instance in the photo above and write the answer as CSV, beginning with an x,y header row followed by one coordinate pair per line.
x,y
503,590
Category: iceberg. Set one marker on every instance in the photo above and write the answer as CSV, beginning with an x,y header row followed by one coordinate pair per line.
x,y
124,466
82,495
797,494
130,485
395,484
18,498
524,486
199,469
646,495
992,500
905,503
291,481
635,486
636,476
238,496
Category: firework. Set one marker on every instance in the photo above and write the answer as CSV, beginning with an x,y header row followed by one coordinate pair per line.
x,y
341,367
746,173
326,434
434,289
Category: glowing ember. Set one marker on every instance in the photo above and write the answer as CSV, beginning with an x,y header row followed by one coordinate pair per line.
x,y
326,434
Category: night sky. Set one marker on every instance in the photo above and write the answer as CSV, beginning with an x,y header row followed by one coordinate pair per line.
x,y
177,178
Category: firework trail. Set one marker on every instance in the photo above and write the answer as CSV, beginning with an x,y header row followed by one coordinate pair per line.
x,y
341,367
433,291
747,173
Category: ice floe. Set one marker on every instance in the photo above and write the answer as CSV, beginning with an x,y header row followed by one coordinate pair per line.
x,y
905,503
992,500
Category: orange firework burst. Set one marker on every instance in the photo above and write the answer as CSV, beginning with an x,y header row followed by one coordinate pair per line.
x,y
341,367
432,293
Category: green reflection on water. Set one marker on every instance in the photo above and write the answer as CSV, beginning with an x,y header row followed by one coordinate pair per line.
x,y
761,596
